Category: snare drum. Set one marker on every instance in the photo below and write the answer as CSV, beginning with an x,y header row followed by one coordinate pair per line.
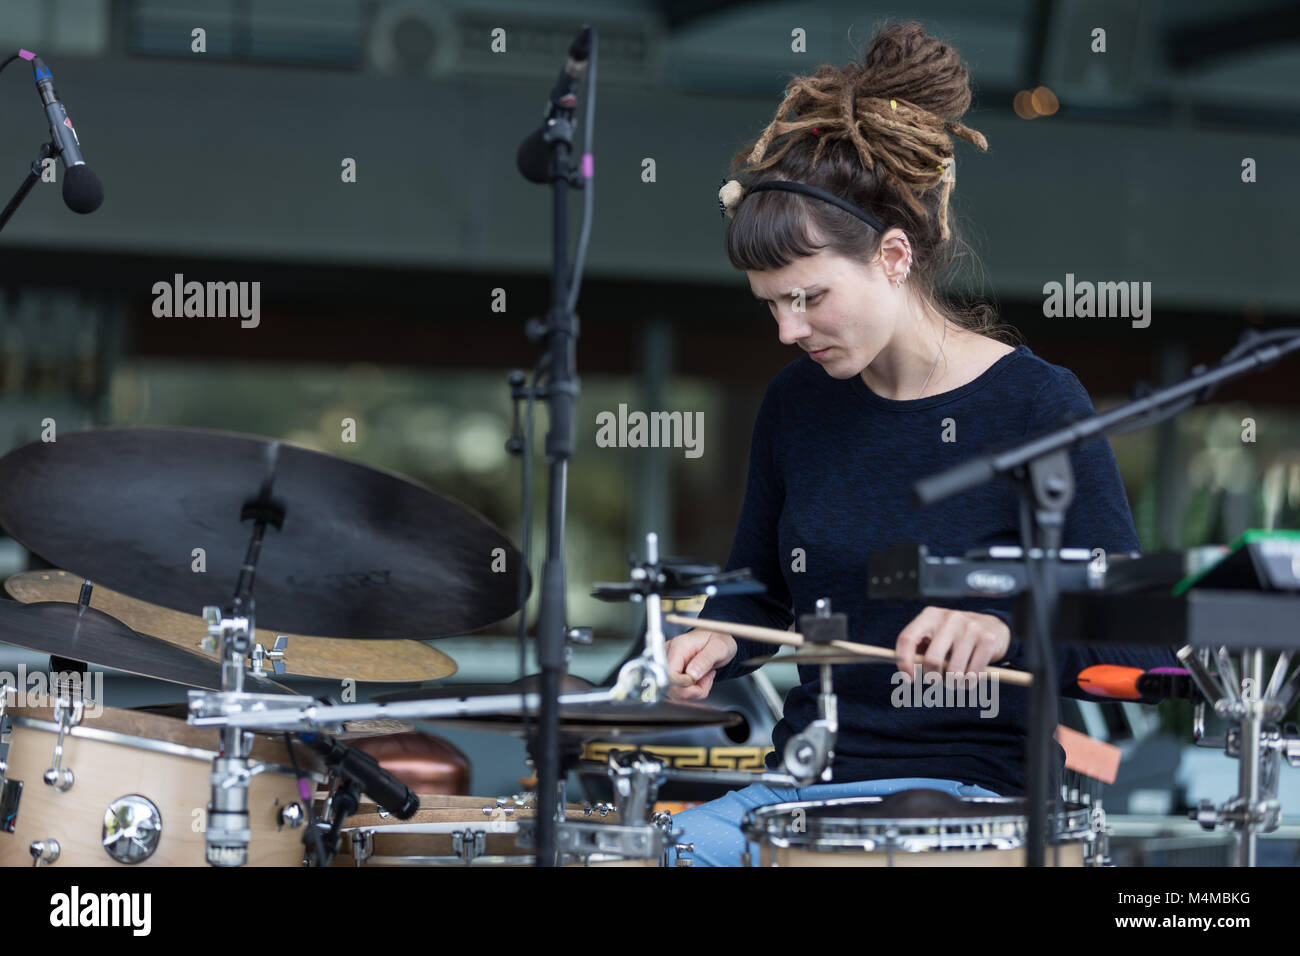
x,y
133,788
456,831
908,828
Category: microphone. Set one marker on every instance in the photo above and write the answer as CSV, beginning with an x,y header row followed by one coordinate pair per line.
x,y
385,789
534,156
82,190
1131,683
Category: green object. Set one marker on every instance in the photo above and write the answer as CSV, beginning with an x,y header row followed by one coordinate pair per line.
x,y
1245,565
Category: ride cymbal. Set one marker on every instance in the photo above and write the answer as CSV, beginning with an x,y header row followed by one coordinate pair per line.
x,y
361,553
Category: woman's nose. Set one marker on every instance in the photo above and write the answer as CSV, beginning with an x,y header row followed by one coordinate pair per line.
x,y
791,326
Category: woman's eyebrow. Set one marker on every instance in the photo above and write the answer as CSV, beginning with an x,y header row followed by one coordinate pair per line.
x,y
811,290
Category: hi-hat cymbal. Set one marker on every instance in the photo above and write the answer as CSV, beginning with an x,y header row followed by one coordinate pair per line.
x,y
85,634
361,553
577,721
330,658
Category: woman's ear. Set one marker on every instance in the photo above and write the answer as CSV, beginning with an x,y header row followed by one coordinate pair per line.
x,y
895,258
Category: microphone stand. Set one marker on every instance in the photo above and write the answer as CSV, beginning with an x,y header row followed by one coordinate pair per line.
x,y
1043,477
558,335
48,150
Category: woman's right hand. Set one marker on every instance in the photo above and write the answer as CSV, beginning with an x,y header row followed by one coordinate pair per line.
x,y
698,654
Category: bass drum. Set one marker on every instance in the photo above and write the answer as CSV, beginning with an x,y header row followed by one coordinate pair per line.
x,y
133,789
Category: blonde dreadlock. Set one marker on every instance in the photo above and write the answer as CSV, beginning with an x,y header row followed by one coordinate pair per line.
x,y
910,142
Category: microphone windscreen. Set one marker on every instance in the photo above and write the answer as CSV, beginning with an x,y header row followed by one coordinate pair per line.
x,y
82,190
534,158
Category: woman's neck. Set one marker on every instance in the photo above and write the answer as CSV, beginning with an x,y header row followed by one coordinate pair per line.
x,y
917,359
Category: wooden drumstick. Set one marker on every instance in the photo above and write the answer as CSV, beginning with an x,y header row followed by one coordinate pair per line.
x,y
795,639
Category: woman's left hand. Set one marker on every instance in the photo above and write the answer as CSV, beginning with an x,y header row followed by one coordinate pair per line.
x,y
941,639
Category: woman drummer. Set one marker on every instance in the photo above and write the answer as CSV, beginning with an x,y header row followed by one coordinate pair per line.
x,y
840,220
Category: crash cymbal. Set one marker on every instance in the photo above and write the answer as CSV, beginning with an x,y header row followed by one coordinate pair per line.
x,y
85,634
577,721
330,658
361,553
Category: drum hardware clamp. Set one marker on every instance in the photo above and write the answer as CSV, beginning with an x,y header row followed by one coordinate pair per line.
x,y
261,655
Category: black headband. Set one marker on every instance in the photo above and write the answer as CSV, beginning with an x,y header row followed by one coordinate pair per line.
x,y
822,194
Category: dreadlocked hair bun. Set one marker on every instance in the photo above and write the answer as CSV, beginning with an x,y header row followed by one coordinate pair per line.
x,y
899,110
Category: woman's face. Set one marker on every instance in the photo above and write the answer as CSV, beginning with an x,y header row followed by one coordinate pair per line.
x,y
849,309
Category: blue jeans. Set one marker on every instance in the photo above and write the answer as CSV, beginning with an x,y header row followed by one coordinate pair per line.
x,y
714,827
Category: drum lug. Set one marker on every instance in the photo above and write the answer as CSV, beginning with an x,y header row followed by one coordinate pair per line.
x,y
68,713
363,846
44,852
1100,844
469,844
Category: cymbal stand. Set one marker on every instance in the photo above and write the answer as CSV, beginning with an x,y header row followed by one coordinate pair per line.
x,y
808,755
227,834
645,678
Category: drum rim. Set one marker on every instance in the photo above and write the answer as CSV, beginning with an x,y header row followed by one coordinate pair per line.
x,y
153,745
917,834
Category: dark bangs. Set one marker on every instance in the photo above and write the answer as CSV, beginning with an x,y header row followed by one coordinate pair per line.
x,y
773,228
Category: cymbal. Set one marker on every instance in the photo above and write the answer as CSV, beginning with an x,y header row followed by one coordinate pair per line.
x,y
612,718
85,634
362,553
330,658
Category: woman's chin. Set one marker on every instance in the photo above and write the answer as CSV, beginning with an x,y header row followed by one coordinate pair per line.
x,y
838,368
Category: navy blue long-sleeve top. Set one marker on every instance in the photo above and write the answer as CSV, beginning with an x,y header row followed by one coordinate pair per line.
x,y
831,469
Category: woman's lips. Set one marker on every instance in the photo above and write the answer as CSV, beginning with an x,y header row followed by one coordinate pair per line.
x,y
819,354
